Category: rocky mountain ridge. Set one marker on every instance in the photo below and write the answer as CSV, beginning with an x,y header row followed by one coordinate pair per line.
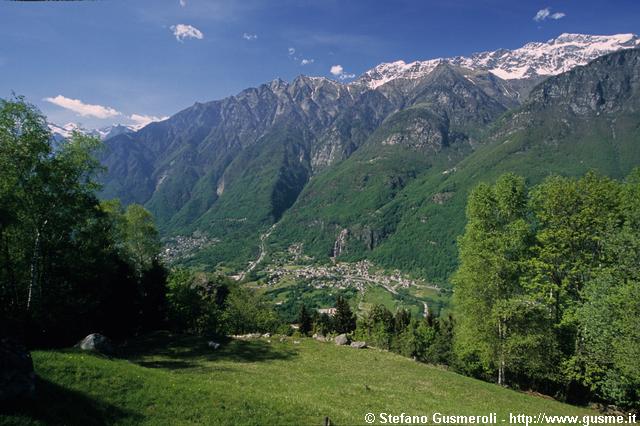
x,y
533,60
63,132
327,159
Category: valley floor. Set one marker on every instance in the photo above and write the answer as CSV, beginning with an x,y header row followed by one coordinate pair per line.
x,y
172,380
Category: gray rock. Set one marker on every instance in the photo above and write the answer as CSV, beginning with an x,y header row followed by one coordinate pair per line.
x,y
96,342
341,339
359,345
248,336
17,378
321,338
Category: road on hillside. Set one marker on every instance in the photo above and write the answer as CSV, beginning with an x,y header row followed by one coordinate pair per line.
x,y
263,252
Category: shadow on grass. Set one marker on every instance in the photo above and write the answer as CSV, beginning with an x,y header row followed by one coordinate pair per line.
x,y
57,405
180,352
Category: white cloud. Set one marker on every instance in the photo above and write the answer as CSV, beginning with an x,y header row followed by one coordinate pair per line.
x,y
292,51
339,72
182,31
183,3
249,37
542,14
85,110
545,13
307,61
141,120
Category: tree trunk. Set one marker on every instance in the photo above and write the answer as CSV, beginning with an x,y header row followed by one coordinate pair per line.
x,y
501,361
34,268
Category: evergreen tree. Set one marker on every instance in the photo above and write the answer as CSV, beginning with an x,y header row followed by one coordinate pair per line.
x,y
401,320
304,320
344,320
323,324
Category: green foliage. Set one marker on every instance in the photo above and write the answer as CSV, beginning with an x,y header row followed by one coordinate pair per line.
x,y
62,274
422,339
609,316
487,283
546,292
377,327
305,320
196,301
323,325
213,305
344,321
246,312
287,298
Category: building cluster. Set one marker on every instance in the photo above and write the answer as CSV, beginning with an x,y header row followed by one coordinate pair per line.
x,y
340,275
184,246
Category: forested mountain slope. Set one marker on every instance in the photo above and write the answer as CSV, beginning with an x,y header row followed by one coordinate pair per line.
x,y
355,171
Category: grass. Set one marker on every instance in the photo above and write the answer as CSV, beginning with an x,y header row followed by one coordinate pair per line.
x,y
377,295
180,381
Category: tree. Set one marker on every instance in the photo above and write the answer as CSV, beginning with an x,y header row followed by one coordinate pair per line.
x,y
196,301
377,327
547,290
304,320
415,340
401,320
344,320
323,324
246,312
495,241
574,218
61,272
609,317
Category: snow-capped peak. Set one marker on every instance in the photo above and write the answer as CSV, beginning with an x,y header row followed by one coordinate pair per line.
x,y
532,60
65,131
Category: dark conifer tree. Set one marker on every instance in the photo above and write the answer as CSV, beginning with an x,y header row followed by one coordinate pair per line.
x,y
344,320
305,320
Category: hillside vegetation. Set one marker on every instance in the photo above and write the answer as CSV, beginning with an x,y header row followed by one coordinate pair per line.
x,y
585,119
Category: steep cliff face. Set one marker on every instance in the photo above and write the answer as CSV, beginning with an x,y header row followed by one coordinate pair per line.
x,y
609,85
344,210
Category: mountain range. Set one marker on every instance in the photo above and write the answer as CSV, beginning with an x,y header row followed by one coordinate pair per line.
x,y
63,132
379,168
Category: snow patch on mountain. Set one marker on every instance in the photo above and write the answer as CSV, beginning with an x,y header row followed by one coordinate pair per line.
x,y
65,131
532,60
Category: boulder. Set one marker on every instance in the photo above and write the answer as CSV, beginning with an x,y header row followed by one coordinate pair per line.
x,y
96,342
359,345
17,378
320,338
341,339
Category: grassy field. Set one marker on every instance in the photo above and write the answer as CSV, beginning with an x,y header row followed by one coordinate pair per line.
x,y
169,380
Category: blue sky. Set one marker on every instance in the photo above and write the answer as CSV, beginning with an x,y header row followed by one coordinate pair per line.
x,y
117,59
